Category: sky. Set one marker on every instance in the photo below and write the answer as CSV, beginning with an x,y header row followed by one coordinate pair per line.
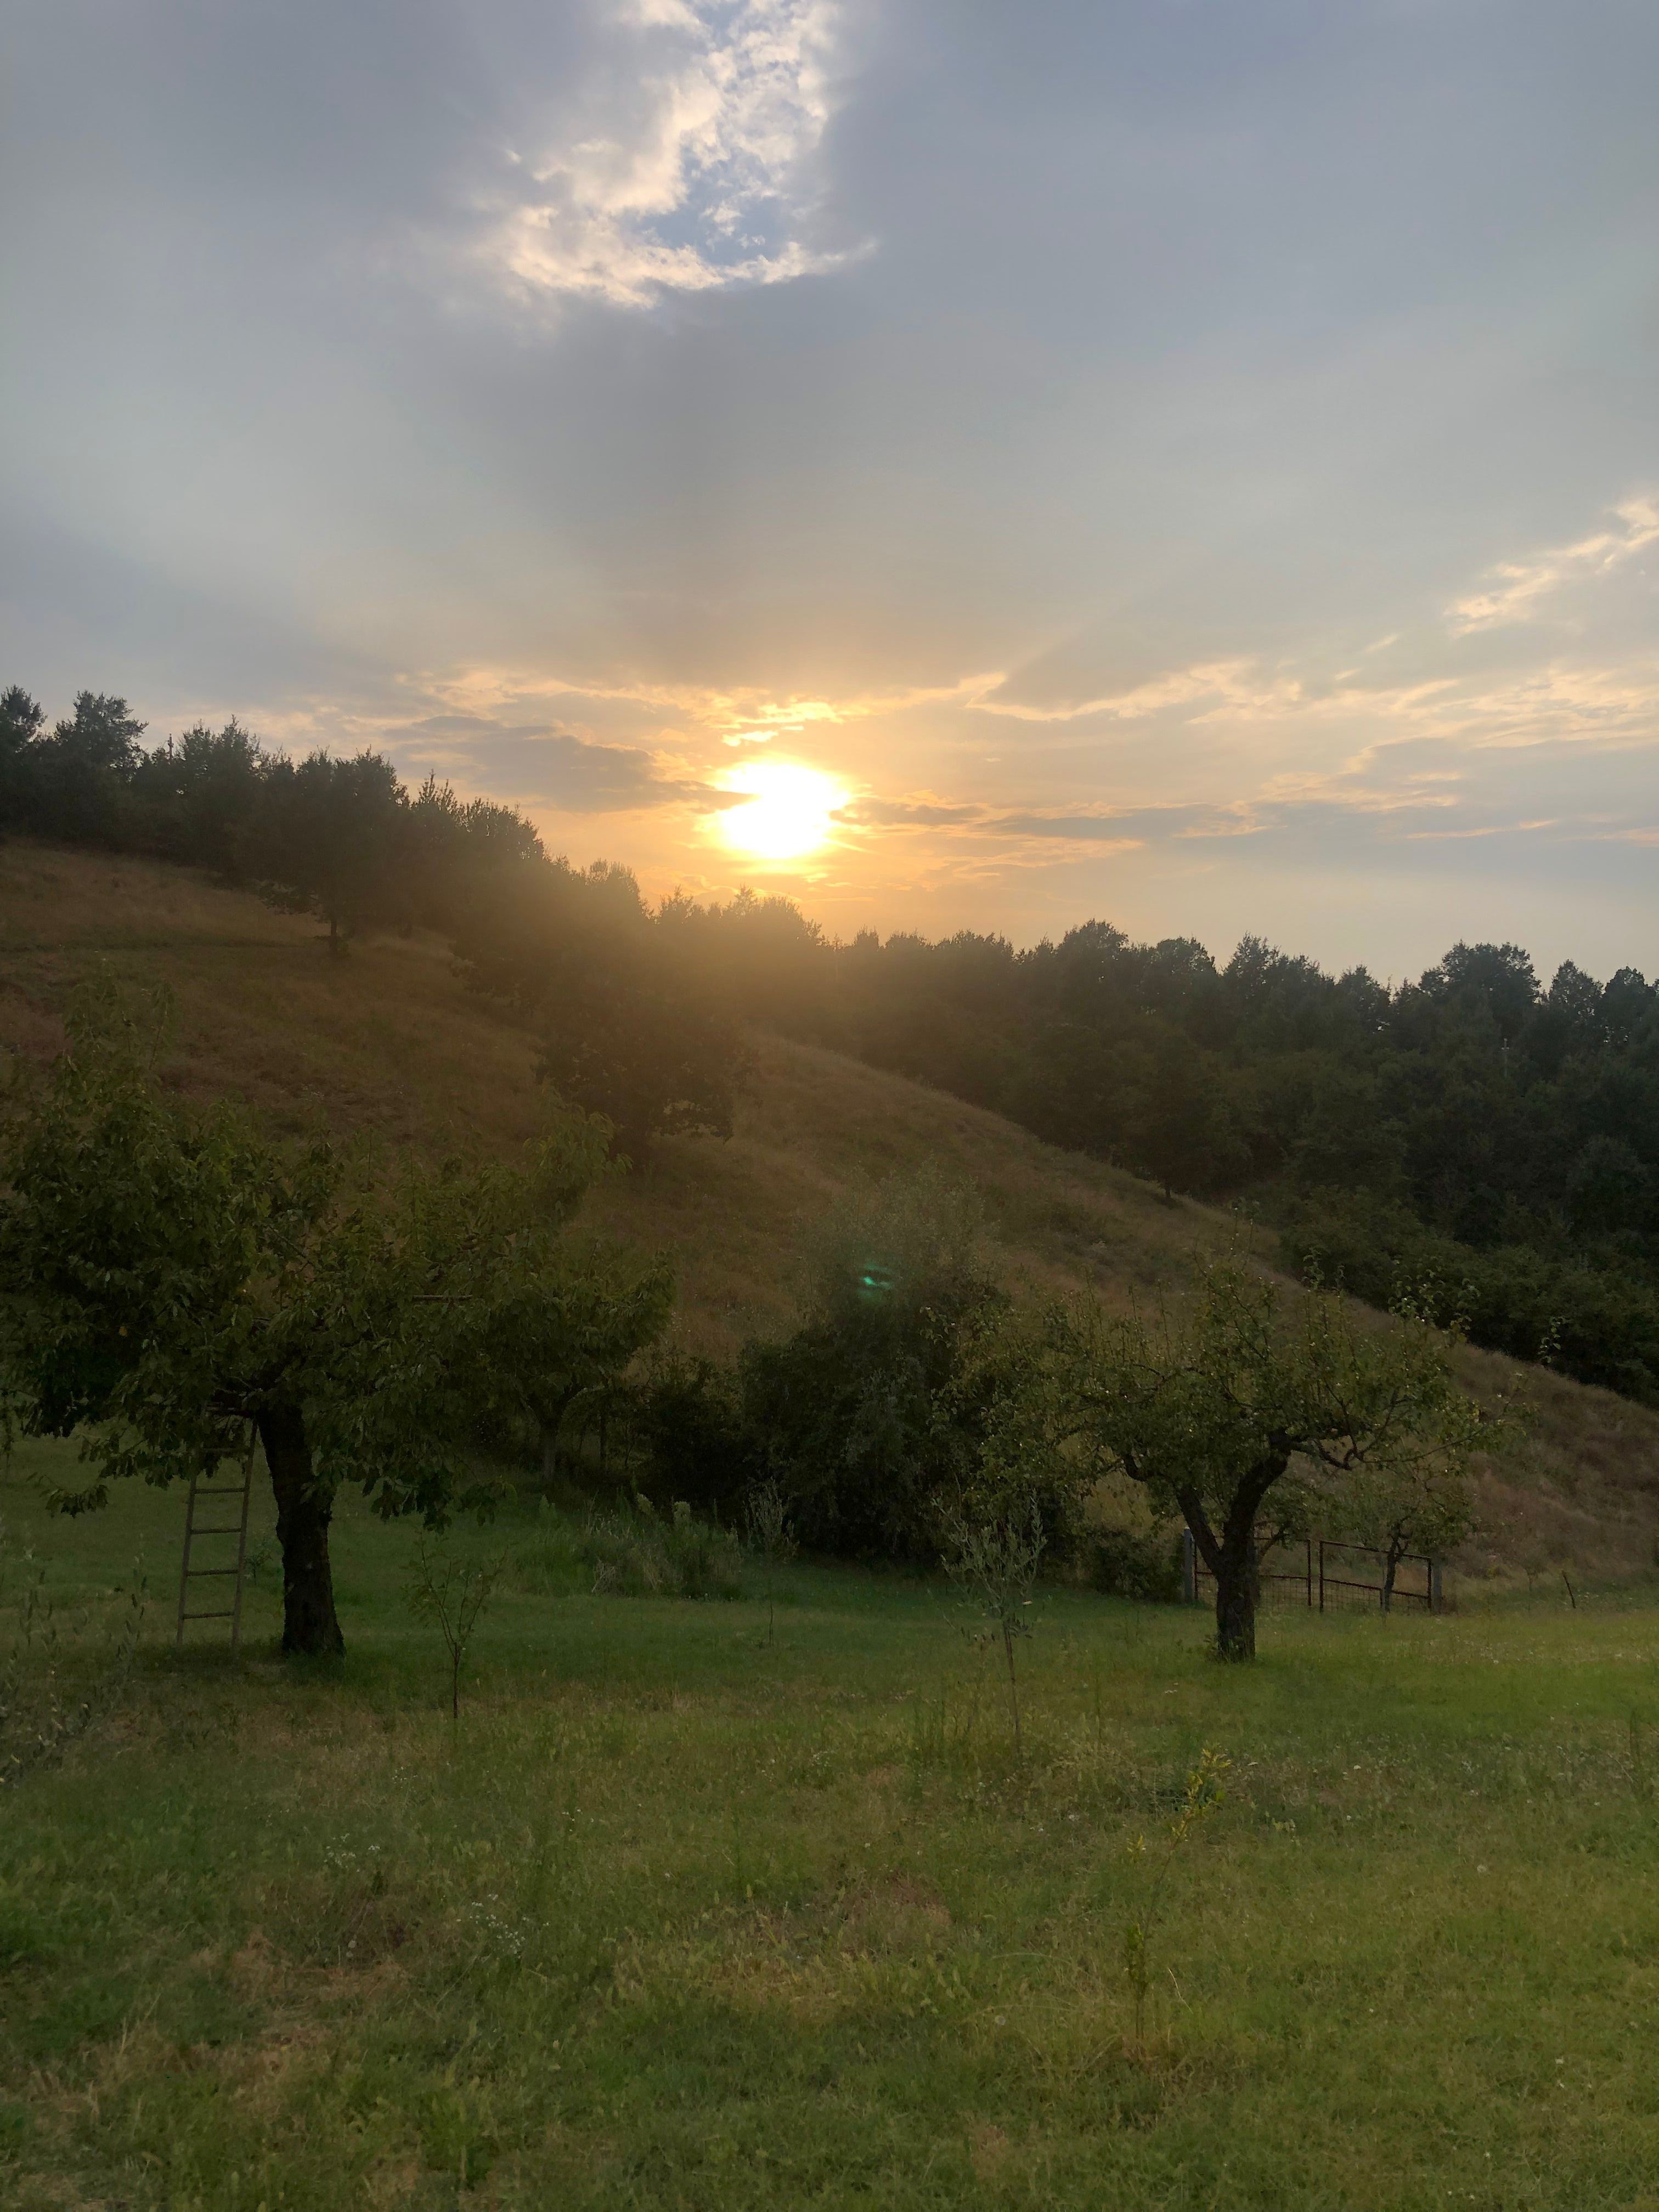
x,y
1192,463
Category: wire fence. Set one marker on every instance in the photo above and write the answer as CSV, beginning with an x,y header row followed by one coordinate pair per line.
x,y
1325,1577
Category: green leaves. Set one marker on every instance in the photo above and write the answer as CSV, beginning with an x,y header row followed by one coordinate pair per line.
x,y
129,1232
877,1408
1246,1377
171,1274
1246,1388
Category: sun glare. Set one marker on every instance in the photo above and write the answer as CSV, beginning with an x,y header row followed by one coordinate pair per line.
x,y
786,813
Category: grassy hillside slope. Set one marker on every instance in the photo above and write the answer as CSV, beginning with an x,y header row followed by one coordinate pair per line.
x,y
390,1040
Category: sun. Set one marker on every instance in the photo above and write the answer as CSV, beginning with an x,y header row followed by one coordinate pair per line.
x,y
786,813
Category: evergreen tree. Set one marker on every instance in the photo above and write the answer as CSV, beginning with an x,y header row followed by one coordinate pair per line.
x,y
334,841
21,721
84,769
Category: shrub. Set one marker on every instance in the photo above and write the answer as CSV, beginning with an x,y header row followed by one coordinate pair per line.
x,y
1598,1324
688,1439
1126,1562
879,1405
636,1554
632,1551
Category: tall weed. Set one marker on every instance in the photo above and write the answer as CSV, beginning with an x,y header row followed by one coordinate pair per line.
x,y
1204,1795
62,1666
631,1550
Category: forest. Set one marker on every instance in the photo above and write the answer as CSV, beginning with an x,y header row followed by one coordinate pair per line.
x,y
1479,1140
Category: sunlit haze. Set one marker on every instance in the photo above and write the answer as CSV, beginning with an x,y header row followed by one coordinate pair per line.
x,y
788,813
961,465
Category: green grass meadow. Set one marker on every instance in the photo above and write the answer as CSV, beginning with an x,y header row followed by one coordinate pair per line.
x,y
681,1916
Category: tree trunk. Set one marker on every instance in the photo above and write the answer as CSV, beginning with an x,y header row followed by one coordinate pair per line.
x,y
1390,1568
304,1509
1231,1556
1013,1689
1235,1605
550,1414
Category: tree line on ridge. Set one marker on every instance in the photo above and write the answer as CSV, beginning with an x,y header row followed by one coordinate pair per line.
x,y
1486,1142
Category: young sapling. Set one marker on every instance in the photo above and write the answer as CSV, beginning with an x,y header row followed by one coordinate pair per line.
x,y
995,1559
453,1592
1204,1796
772,1536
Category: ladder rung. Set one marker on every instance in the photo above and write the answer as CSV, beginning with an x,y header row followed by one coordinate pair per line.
x,y
242,1492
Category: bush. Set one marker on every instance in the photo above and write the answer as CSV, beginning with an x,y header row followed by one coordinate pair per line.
x,y
1600,1325
1125,1563
633,1551
637,1554
688,1437
878,1408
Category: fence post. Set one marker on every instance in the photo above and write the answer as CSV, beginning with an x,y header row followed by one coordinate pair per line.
x,y
1437,1595
1189,1568
1322,1573
1309,1544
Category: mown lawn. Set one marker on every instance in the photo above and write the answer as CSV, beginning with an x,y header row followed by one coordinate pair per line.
x,y
680,1918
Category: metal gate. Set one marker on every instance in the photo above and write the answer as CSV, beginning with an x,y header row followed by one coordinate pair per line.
x,y
1323,1574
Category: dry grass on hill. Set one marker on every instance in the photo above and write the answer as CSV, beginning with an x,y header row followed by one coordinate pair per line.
x,y
388,1039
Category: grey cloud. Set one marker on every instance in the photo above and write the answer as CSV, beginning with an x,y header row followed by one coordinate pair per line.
x,y
899,812
1137,823
1082,829
459,725
1415,792
1186,321
1194,334
553,766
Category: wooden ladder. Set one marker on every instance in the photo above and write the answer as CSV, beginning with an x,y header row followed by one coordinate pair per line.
x,y
236,1528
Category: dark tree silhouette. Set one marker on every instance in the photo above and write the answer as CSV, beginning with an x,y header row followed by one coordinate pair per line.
x,y
334,841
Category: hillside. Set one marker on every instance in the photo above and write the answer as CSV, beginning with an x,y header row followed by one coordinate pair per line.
x,y
390,1040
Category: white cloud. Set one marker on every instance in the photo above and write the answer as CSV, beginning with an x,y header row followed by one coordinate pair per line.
x,y
686,169
1241,685
1518,586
